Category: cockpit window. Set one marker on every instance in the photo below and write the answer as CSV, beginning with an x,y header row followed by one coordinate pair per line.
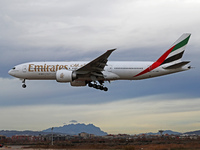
x,y
13,68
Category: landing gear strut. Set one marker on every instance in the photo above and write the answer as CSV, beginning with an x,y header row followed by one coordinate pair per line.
x,y
100,87
24,85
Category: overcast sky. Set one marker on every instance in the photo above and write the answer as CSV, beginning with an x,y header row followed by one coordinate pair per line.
x,y
59,30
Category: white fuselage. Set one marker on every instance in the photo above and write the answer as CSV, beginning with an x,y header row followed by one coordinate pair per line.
x,y
115,70
82,73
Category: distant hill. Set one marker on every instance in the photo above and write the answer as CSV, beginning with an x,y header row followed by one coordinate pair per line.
x,y
193,132
75,129
10,133
170,132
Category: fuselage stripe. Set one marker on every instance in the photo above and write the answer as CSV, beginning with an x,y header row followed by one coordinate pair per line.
x,y
173,58
181,44
157,63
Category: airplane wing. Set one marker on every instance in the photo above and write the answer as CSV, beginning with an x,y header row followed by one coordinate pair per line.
x,y
96,66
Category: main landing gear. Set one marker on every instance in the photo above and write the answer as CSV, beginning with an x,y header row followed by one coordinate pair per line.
x,y
100,87
23,83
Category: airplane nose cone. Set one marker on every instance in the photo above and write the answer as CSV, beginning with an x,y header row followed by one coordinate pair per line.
x,y
10,72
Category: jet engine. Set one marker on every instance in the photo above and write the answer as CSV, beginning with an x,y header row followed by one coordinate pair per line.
x,y
65,76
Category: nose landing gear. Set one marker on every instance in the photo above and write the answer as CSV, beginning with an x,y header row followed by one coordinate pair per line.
x,y
24,85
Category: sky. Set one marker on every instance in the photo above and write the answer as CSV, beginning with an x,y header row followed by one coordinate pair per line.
x,y
42,30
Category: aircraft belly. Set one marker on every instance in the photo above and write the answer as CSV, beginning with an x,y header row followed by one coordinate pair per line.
x,y
110,75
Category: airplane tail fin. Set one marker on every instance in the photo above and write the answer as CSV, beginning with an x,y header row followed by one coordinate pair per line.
x,y
171,59
177,49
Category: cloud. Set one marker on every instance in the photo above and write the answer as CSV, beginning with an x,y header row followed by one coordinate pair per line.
x,y
127,116
95,25
73,121
83,30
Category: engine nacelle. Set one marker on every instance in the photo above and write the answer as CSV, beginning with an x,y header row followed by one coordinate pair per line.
x,y
65,76
78,83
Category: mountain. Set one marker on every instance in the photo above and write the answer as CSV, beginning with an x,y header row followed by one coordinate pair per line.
x,y
75,129
170,132
193,132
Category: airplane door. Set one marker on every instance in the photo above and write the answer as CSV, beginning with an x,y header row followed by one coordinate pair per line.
x,y
24,68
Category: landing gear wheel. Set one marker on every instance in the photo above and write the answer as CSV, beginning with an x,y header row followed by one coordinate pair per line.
x,y
101,88
90,84
24,85
105,89
98,86
94,86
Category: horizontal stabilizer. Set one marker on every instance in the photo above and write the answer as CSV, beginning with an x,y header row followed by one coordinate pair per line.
x,y
178,65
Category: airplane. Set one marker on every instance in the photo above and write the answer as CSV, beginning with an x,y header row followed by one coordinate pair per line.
x,y
96,72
